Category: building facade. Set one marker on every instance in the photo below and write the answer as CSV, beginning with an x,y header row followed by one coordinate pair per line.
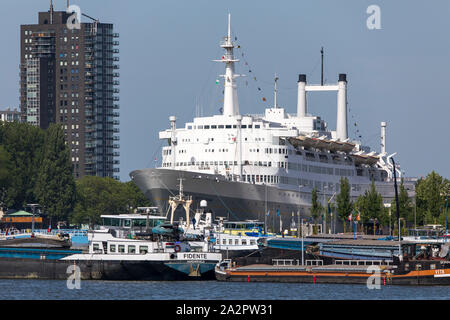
x,y
9,115
69,76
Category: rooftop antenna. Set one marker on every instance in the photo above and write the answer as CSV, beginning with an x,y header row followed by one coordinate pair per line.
x,y
321,79
275,105
68,5
51,11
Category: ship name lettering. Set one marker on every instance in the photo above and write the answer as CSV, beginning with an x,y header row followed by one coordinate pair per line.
x,y
194,256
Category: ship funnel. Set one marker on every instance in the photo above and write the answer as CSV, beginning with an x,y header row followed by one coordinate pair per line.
x,y
383,138
301,99
341,123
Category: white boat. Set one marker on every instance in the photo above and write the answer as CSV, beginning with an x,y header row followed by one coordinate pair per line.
x,y
247,165
133,259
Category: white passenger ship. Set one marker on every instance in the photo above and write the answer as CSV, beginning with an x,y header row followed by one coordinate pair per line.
x,y
248,165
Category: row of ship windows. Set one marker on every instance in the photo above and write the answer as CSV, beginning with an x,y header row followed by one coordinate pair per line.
x,y
221,126
236,242
289,165
309,156
121,248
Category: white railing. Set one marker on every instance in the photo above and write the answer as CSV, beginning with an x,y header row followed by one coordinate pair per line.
x,y
363,262
296,262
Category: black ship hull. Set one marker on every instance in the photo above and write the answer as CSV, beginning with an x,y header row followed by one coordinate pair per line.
x,y
22,268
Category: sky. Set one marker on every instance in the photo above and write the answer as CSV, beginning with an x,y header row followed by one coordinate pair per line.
x,y
398,73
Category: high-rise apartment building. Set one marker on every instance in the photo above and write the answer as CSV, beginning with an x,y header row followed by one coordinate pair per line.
x,y
69,76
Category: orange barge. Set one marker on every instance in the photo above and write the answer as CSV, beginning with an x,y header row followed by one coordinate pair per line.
x,y
409,269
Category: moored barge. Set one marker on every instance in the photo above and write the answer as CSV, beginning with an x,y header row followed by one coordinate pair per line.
x,y
417,265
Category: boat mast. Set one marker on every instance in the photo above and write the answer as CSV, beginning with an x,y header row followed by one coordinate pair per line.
x,y
321,78
230,100
275,105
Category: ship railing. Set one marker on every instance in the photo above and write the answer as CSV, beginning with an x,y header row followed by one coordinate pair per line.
x,y
314,262
364,262
285,262
296,262
54,232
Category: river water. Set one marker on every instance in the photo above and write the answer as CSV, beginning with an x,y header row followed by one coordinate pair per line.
x,y
209,290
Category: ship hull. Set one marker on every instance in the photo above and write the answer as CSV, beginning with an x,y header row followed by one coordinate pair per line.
x,y
231,199
23,268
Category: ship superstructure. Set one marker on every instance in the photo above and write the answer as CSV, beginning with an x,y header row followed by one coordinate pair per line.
x,y
247,165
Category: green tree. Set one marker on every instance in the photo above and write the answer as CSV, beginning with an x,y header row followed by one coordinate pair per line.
x,y
5,174
370,205
430,198
24,143
97,196
55,186
344,204
135,197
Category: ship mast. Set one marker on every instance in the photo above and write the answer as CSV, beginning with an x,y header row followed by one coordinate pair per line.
x,y
230,100
275,91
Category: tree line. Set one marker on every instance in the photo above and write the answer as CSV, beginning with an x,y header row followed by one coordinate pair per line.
x,y
427,207
35,167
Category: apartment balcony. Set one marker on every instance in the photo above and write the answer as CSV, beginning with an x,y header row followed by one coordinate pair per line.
x,y
89,145
116,74
115,43
116,106
115,58
116,146
115,98
116,66
115,35
116,138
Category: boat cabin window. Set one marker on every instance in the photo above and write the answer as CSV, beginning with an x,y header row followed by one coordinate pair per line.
x,y
96,247
112,248
244,242
131,249
121,248
236,241
230,241
143,249
252,242
127,223
224,241
113,222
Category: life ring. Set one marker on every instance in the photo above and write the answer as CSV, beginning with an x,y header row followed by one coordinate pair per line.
x,y
177,248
